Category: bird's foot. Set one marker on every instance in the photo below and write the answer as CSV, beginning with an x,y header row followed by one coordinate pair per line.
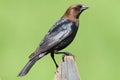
x,y
66,54
57,69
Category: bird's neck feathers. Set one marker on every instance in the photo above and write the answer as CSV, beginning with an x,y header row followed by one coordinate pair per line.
x,y
72,19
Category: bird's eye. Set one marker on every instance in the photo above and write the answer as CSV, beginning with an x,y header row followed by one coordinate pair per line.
x,y
77,8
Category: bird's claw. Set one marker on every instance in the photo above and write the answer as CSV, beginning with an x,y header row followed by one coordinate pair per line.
x,y
67,54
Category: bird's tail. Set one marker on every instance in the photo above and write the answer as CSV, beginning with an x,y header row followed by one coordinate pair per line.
x,y
29,65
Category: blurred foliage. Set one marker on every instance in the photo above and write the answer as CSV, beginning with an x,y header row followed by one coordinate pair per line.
x,y
23,23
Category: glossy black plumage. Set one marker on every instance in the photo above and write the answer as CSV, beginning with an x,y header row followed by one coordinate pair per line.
x,y
58,37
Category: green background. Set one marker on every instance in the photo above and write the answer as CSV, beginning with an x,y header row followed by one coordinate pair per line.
x,y
23,23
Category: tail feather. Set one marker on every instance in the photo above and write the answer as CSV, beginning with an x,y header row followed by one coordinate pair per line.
x,y
29,65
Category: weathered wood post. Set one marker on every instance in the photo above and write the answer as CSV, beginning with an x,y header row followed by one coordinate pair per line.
x,y
67,70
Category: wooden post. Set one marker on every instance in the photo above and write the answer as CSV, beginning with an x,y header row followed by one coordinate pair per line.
x,y
67,70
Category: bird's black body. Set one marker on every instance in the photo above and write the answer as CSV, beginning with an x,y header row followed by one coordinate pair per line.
x,y
70,29
59,36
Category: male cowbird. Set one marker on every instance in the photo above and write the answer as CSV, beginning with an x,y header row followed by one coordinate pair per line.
x,y
58,37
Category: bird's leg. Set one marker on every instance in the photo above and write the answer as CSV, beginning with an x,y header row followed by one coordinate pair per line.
x,y
65,53
52,56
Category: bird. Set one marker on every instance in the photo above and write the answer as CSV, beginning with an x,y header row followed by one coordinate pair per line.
x,y
61,34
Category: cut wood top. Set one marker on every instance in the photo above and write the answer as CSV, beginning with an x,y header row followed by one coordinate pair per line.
x,y
67,70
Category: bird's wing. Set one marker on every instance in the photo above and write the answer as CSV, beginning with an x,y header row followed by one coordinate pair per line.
x,y
56,34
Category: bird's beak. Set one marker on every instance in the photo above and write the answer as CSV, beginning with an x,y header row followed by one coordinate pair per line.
x,y
84,7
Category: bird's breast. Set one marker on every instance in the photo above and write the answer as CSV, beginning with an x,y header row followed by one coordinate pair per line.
x,y
64,43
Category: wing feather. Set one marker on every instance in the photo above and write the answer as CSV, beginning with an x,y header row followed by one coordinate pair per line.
x,y
55,35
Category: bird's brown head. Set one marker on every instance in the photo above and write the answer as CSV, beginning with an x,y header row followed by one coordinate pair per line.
x,y
74,11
